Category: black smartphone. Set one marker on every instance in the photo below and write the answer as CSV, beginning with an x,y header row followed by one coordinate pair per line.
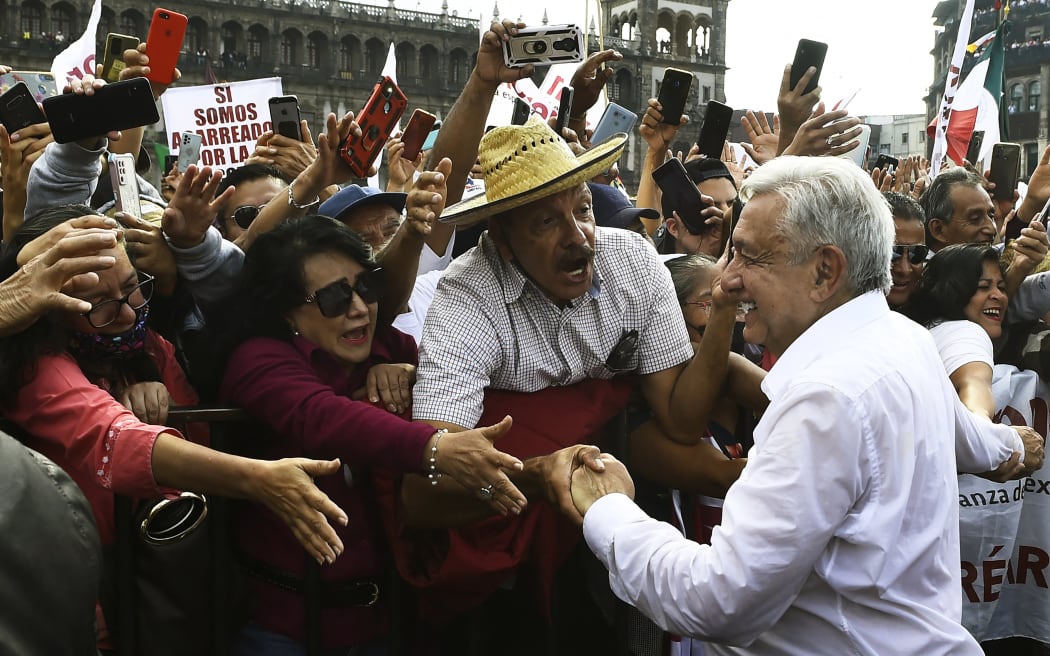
x,y
285,116
18,108
1005,169
119,106
679,194
522,110
808,53
973,150
713,133
674,91
564,109
885,163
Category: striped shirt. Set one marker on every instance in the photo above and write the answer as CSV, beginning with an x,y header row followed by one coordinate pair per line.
x,y
490,326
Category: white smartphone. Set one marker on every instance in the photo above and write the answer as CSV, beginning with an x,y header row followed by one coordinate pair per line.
x,y
614,119
125,183
189,150
860,153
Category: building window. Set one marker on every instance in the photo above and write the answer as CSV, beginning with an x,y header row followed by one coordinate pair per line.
x,y
61,21
707,93
32,20
1016,98
1034,90
904,138
1031,157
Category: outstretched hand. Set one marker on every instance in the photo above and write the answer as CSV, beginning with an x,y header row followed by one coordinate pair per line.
x,y
193,207
470,458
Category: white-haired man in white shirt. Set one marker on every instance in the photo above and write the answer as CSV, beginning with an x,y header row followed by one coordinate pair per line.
x,y
842,533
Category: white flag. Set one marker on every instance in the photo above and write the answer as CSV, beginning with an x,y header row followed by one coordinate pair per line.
x,y
389,70
78,59
951,83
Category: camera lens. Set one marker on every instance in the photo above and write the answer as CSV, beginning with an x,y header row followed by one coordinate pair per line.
x,y
568,44
535,47
165,16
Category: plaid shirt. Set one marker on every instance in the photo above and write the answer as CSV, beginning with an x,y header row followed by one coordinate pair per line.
x,y
490,326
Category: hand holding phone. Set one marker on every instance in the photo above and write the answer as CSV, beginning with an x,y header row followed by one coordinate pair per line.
x,y
285,116
1005,169
113,60
189,150
167,29
549,44
377,120
674,91
808,53
18,108
713,132
680,195
564,109
416,133
118,106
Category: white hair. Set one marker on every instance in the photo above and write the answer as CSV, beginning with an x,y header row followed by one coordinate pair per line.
x,y
829,200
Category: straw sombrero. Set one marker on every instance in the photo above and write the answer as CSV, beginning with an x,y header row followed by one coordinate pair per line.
x,y
524,163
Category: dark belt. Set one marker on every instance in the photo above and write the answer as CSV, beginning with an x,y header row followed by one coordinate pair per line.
x,y
333,594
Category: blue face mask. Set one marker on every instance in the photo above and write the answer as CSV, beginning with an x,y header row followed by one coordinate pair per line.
x,y
119,347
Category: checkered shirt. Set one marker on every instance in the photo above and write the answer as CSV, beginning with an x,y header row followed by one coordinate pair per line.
x,y
490,326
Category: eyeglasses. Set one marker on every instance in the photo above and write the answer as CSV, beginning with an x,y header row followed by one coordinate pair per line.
x,y
245,214
102,314
916,252
335,299
703,305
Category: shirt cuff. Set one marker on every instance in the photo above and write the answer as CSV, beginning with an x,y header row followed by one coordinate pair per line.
x,y
604,517
1012,439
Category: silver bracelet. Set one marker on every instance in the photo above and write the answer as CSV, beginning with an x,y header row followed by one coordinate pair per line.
x,y
291,199
433,474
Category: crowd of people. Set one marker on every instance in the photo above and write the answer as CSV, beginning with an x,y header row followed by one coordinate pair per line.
x,y
749,425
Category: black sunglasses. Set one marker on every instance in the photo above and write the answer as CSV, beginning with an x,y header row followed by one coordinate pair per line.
x,y
335,299
245,214
916,252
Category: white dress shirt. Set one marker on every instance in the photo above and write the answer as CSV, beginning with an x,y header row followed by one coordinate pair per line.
x,y
842,534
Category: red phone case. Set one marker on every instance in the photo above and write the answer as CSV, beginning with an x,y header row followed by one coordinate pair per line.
x,y
377,120
166,31
416,133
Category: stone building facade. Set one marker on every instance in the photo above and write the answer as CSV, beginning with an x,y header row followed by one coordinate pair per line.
x,y
329,53
1027,70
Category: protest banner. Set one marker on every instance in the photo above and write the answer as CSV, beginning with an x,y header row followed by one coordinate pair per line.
x,y
229,117
1003,529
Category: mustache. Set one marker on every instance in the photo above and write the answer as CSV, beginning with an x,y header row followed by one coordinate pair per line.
x,y
575,254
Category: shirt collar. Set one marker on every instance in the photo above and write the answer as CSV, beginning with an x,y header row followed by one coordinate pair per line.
x,y
513,280
827,334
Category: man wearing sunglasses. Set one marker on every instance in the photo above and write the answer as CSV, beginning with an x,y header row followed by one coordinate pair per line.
x,y
909,251
255,185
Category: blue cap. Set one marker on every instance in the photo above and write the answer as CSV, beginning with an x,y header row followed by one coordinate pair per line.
x,y
352,196
612,209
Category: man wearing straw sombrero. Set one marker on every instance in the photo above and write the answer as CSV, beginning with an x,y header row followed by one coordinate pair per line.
x,y
554,322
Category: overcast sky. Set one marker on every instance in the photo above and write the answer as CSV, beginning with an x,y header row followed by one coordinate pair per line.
x,y
882,49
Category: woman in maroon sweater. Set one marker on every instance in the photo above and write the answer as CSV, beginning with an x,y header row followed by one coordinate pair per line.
x,y
308,310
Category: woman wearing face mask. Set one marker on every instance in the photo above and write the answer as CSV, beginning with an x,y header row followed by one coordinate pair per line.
x,y
313,326
66,382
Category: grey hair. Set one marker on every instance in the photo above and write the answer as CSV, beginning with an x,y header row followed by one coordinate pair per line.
x,y
829,200
936,201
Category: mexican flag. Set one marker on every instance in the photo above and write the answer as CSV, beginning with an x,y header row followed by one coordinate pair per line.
x,y
976,104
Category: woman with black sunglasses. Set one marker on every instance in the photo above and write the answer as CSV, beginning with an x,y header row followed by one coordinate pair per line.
x,y
90,390
312,323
